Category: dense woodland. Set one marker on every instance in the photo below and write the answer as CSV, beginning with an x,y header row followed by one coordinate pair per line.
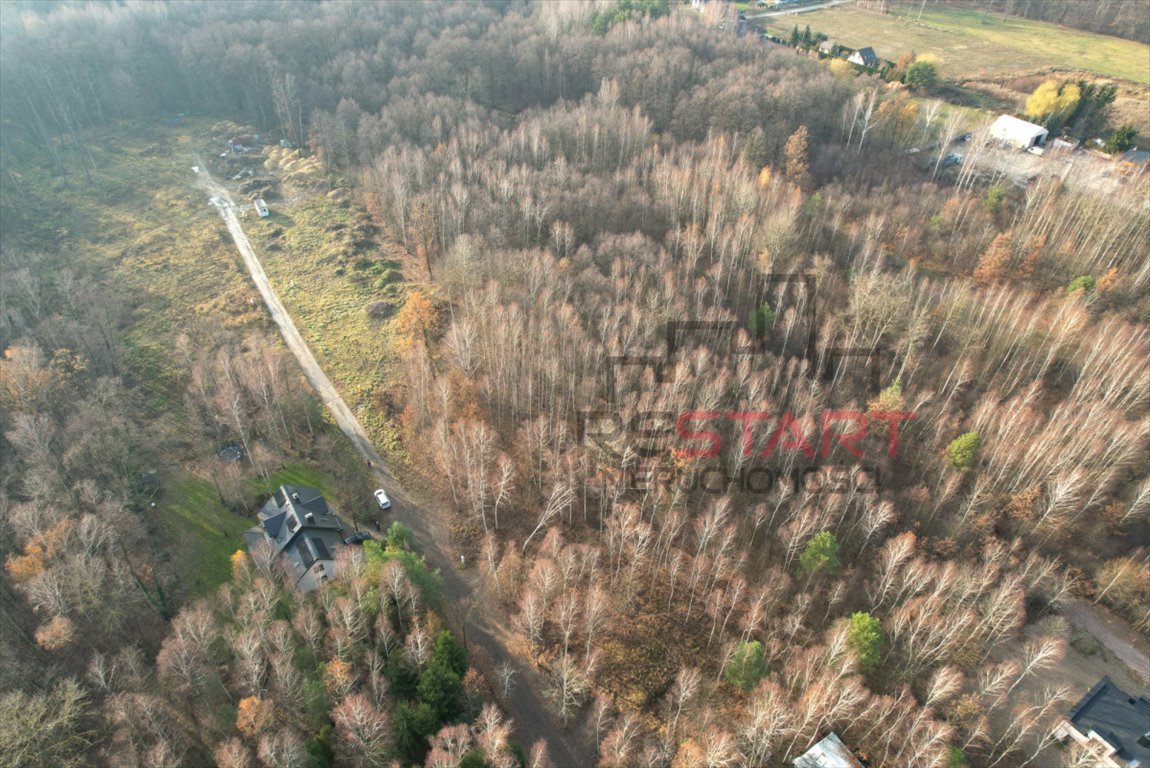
x,y
565,188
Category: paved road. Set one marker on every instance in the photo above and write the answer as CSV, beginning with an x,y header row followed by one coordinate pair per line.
x,y
464,610
1112,632
799,9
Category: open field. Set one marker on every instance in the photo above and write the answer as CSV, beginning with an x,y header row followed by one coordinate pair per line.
x,y
340,289
142,226
975,45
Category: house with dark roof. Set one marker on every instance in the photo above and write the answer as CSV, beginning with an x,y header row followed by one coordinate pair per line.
x,y
1138,158
305,536
864,57
1112,722
828,753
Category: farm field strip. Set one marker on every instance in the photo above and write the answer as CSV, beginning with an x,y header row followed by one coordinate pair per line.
x,y
973,44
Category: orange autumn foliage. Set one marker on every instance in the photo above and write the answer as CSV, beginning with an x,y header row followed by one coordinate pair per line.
x,y
338,677
239,563
254,715
417,321
994,263
39,550
55,634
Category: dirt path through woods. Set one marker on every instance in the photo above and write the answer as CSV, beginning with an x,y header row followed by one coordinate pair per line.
x,y
470,616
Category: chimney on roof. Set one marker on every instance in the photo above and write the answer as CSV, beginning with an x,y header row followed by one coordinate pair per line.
x,y
295,496
309,517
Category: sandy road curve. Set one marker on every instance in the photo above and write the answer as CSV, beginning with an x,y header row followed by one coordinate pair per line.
x,y
1112,632
478,624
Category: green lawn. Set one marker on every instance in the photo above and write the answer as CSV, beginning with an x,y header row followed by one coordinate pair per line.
x,y
207,532
292,474
207,529
972,44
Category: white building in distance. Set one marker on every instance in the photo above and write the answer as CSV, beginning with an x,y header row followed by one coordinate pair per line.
x,y
1018,133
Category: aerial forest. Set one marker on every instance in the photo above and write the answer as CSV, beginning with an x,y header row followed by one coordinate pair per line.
x,y
748,425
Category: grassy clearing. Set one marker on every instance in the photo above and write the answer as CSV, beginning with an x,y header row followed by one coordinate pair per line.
x,y
292,474
206,532
143,227
972,44
140,226
206,529
324,262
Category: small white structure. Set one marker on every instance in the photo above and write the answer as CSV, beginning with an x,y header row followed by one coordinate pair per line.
x,y
262,208
828,753
1018,133
864,57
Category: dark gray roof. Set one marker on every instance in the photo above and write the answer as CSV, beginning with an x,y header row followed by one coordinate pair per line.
x,y
1119,718
293,508
867,54
302,530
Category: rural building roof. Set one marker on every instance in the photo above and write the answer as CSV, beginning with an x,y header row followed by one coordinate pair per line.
x,y
1010,129
302,530
828,753
1118,718
1137,156
867,54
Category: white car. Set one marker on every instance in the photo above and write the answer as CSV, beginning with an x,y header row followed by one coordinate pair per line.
x,y
382,500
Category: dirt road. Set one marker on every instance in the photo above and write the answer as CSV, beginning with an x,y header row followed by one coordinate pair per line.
x,y
797,10
1078,170
464,611
1112,632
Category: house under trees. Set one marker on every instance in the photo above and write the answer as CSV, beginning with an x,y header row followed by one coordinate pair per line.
x,y
303,534
1113,723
